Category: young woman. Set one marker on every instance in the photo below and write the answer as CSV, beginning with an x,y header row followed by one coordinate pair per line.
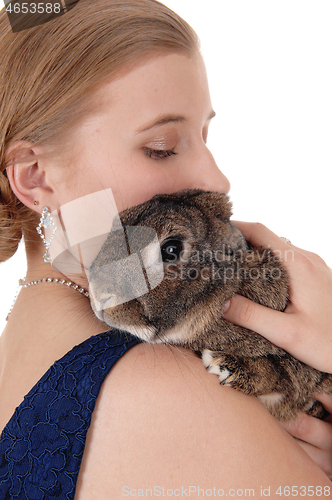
x,y
114,95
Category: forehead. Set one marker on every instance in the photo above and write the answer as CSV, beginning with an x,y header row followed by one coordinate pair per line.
x,y
161,83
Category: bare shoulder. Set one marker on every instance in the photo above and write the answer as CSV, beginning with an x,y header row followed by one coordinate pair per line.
x,y
161,420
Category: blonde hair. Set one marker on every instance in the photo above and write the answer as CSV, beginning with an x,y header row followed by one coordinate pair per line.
x,y
48,72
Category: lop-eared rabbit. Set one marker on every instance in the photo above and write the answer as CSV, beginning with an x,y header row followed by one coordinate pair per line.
x,y
205,261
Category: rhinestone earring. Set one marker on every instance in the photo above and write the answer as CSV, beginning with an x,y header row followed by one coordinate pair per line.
x,y
46,221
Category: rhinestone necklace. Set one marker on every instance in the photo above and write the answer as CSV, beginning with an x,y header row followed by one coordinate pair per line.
x,y
24,284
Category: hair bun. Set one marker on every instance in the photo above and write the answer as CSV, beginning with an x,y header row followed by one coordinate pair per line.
x,y
10,224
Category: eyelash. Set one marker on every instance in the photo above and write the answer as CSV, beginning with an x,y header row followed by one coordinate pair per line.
x,y
159,154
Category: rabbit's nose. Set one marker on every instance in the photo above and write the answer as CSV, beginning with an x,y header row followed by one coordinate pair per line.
x,y
103,304
100,300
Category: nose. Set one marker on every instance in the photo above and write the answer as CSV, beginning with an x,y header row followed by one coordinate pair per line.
x,y
205,173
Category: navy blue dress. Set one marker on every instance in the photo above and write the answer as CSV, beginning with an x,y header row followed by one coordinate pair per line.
x,y
42,445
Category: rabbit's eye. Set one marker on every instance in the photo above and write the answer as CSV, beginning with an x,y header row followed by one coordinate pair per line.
x,y
171,250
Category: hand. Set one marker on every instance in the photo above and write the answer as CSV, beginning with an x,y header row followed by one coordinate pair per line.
x,y
314,435
304,329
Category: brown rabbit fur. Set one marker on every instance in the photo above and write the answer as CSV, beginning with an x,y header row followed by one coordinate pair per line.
x,y
206,261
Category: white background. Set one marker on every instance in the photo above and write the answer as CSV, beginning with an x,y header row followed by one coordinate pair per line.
x,y
270,70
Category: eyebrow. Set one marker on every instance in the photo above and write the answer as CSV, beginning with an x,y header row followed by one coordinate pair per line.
x,y
168,119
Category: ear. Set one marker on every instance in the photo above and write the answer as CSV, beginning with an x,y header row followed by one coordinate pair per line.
x,y
221,205
216,203
26,174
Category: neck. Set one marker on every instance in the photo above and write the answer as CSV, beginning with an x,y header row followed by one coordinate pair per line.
x,y
38,269
48,316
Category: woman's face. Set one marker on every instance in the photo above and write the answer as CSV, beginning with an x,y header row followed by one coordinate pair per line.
x,y
148,136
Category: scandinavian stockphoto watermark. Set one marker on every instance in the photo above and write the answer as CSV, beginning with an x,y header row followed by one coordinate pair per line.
x,y
24,15
223,274
221,265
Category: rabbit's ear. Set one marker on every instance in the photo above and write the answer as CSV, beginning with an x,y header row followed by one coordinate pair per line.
x,y
217,204
133,215
208,202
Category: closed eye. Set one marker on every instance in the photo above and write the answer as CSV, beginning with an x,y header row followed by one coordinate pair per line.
x,y
159,154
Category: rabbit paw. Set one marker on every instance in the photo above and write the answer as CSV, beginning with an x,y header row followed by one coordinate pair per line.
x,y
215,364
230,371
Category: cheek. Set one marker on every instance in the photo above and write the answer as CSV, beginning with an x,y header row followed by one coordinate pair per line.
x,y
136,180
132,177
157,179
138,188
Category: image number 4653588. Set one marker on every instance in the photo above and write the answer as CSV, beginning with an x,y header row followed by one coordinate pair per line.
x,y
24,14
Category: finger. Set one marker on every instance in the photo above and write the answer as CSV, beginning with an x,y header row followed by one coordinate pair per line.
x,y
259,235
326,400
310,430
286,329
302,266
321,458
271,324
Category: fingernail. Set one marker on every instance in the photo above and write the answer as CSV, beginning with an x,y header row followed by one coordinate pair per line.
x,y
226,306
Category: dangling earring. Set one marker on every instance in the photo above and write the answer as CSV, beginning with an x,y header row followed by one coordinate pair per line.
x,y
45,221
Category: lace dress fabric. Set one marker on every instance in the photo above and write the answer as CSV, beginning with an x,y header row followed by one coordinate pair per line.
x,y
42,445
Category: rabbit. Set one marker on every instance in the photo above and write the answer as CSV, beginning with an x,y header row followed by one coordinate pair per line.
x,y
205,260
